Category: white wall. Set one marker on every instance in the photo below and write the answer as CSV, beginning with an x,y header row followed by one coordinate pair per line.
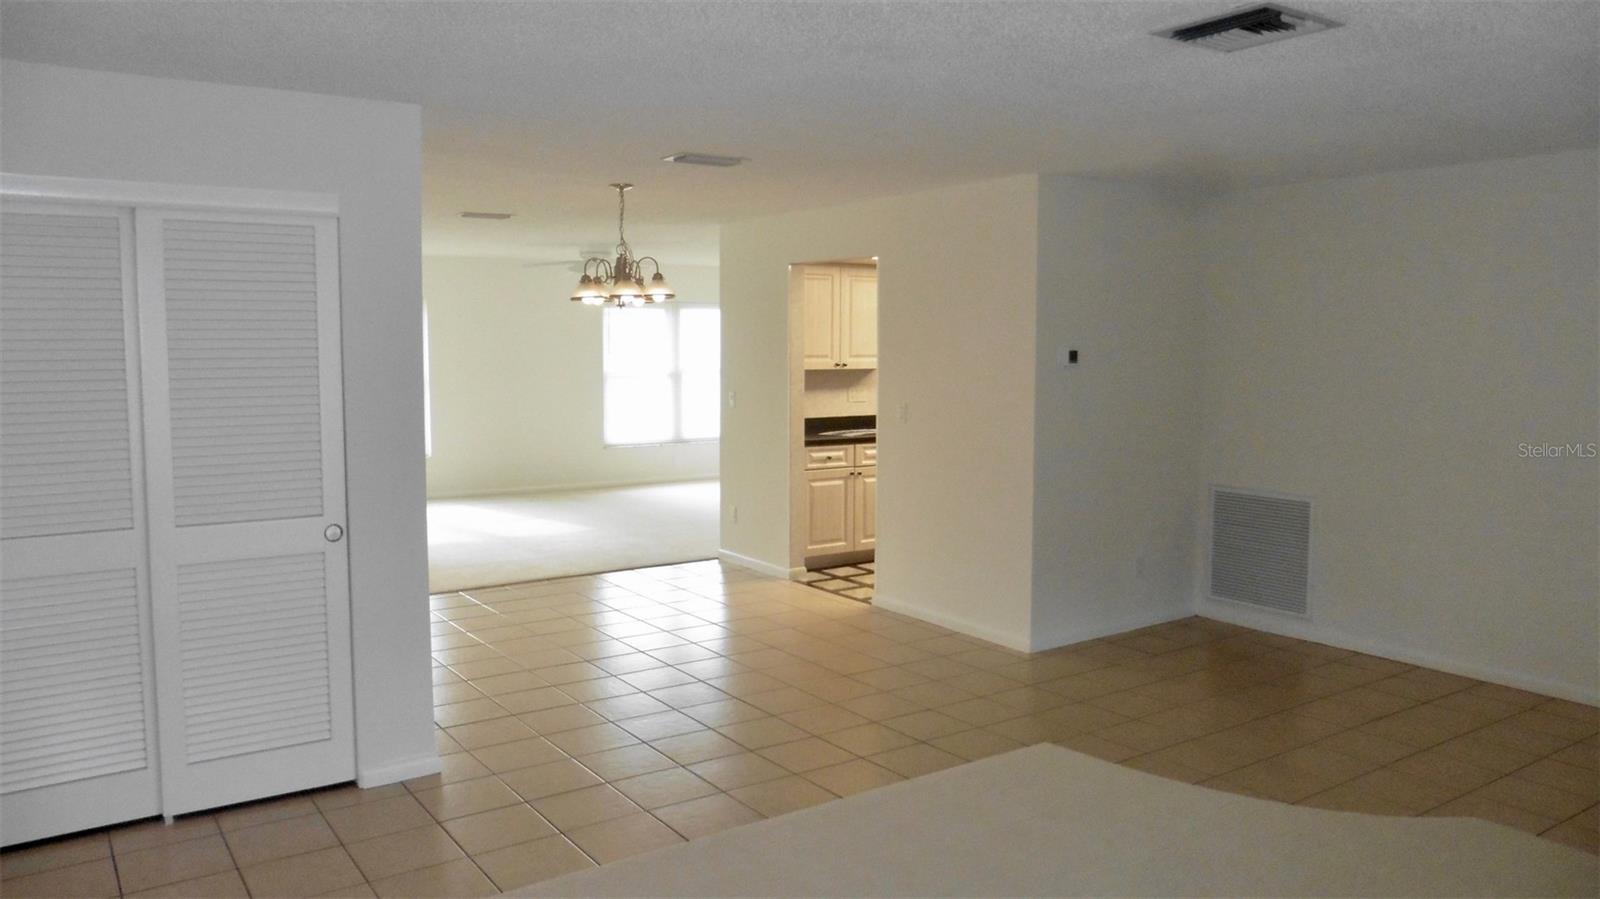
x,y
516,377
78,123
1115,435
1383,345
956,472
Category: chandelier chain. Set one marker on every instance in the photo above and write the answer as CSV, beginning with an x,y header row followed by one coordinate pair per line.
x,y
622,210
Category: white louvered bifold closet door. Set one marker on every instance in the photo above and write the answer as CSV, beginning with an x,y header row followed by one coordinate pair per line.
x,y
245,436
77,707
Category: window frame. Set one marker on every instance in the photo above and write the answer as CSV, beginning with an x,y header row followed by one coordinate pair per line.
x,y
675,375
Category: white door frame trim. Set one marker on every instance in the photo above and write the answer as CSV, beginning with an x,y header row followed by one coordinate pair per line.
x,y
103,191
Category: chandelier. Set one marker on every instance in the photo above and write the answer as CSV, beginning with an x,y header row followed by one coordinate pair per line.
x,y
621,282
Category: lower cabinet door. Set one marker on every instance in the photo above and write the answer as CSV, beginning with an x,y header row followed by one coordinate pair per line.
x,y
866,508
829,511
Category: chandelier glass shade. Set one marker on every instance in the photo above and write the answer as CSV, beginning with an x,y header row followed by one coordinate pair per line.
x,y
620,282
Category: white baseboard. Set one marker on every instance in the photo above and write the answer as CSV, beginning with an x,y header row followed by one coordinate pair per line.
x,y
757,565
1308,630
1068,635
528,490
394,772
953,622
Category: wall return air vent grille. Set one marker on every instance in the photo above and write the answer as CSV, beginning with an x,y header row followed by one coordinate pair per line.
x,y
1251,26
1260,549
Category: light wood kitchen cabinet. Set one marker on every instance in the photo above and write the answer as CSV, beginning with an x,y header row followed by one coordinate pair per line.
x,y
819,299
858,314
831,510
841,500
864,511
839,318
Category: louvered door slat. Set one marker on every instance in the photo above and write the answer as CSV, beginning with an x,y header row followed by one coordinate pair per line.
x,y
107,713
220,638
57,322
218,410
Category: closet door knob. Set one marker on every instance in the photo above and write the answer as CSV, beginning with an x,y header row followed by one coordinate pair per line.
x,y
332,533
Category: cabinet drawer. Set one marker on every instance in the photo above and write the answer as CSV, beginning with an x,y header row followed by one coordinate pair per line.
x,y
828,457
866,454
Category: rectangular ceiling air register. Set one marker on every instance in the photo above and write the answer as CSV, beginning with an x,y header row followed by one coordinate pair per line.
x,y
1248,27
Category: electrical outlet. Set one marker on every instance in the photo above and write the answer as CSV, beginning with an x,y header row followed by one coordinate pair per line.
x,y
733,399
735,514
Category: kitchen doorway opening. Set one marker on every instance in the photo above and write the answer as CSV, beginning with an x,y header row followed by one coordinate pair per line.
x,y
833,381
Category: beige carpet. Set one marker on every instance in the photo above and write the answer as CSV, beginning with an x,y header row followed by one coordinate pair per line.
x,y
1046,821
507,539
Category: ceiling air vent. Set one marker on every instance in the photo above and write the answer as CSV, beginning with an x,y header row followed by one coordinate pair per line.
x,y
491,216
1248,27
710,159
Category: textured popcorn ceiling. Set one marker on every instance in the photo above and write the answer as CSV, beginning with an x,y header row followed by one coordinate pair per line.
x,y
533,107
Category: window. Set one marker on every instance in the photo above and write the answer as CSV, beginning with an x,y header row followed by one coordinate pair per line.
x,y
663,374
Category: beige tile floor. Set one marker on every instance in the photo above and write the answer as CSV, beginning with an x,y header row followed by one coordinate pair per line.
x,y
589,719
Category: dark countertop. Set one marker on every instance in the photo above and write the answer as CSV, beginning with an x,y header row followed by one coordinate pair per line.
x,y
816,427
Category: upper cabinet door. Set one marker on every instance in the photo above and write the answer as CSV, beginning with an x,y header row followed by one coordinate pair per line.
x,y
820,319
77,702
858,338
245,439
